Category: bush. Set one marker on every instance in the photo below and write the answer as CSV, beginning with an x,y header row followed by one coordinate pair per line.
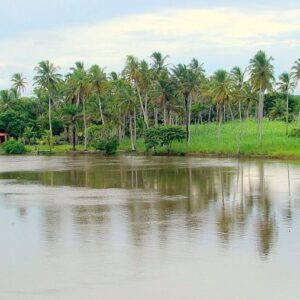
x,y
109,145
101,138
13,147
163,136
295,132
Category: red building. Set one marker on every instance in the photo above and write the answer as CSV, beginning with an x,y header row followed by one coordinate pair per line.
x,y
3,136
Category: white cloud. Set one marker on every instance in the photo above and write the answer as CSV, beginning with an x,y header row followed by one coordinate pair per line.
x,y
219,34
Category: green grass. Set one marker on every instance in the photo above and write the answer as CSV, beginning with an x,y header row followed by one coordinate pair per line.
x,y
204,140
56,149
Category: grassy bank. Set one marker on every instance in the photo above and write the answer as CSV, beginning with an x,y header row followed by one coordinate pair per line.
x,y
204,140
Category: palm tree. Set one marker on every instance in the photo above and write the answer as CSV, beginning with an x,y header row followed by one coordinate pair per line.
x,y
80,87
286,85
261,78
47,78
6,98
19,83
238,79
296,70
133,75
144,78
164,89
98,80
158,60
188,83
278,109
221,92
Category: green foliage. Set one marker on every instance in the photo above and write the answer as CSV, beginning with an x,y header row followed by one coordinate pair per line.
x,y
295,132
101,138
46,139
163,136
109,145
13,147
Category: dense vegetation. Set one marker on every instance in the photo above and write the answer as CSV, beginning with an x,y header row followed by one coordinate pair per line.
x,y
88,108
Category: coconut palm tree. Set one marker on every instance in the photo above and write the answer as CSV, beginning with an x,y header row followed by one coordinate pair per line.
x,y
19,83
296,70
238,79
98,80
164,89
286,85
261,78
188,83
80,87
47,78
6,98
132,73
158,62
221,89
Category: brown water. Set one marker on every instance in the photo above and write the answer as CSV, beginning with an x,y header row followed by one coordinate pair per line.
x,y
90,227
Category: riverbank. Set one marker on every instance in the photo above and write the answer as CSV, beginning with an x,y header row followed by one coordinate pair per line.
x,y
233,140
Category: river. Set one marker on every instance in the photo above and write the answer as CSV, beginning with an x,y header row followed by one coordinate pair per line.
x,y
134,227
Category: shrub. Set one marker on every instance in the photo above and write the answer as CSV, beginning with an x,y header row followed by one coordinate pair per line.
x,y
163,136
13,147
295,132
101,138
109,145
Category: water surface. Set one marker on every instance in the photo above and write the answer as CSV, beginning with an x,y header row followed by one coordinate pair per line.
x,y
92,227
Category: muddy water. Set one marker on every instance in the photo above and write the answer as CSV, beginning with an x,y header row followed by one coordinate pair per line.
x,y
90,227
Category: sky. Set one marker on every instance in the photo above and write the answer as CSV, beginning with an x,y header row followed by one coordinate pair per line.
x,y
221,34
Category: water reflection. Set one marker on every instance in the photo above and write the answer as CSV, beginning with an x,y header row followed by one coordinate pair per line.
x,y
148,198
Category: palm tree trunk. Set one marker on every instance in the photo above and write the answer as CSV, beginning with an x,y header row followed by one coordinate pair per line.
x,y
85,129
74,134
260,114
187,117
50,123
190,114
155,116
209,114
100,109
134,122
142,107
231,113
287,114
240,110
165,113
220,122
131,133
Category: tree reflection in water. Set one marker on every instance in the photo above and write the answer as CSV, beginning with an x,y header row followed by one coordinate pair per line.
x,y
157,196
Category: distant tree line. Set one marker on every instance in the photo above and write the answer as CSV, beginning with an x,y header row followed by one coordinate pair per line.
x,y
87,103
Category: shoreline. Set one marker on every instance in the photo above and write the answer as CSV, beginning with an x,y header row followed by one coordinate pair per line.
x,y
165,154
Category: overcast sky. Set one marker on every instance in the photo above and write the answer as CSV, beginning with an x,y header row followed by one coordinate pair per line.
x,y
221,34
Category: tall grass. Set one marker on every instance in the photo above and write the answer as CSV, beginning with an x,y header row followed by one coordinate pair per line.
x,y
204,140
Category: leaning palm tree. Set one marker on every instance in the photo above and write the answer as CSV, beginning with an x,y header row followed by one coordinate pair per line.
x,y
47,78
286,85
19,83
132,72
261,78
98,80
